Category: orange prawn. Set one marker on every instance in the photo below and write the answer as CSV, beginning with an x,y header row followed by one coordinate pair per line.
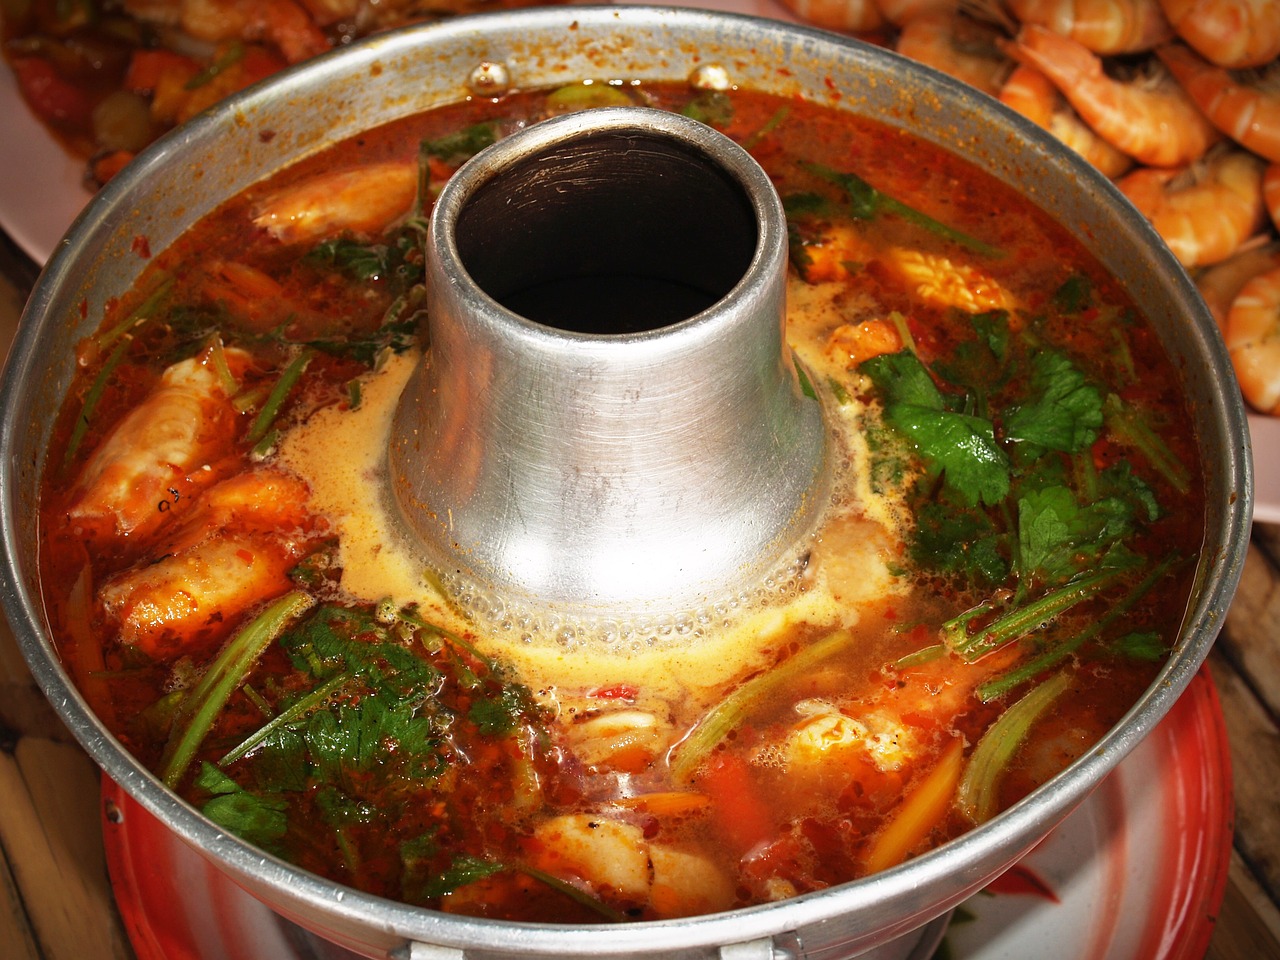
x,y
1103,26
1155,121
1034,96
1243,105
1206,211
1230,33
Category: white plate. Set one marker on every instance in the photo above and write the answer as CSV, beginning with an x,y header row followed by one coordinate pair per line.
x,y
41,184
42,191
1137,872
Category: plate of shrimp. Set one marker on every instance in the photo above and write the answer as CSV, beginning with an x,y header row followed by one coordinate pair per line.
x,y
1176,101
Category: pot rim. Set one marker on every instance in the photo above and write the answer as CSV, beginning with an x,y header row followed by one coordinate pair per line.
x,y
1008,832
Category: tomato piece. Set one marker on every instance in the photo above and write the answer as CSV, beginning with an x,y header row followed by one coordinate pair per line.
x,y
52,97
148,67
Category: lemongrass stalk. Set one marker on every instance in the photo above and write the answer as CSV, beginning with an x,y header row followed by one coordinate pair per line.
x,y
202,704
731,711
978,795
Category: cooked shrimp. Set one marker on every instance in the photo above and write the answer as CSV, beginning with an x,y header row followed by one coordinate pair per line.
x,y
364,201
1220,284
1206,211
855,16
233,549
1271,192
613,858
1230,33
1034,96
1253,340
625,740
282,22
852,343
193,596
152,459
1103,26
1152,120
943,282
1245,105
834,254
902,12
959,46
260,500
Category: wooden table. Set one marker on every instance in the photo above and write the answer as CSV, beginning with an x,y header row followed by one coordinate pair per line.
x,y
56,901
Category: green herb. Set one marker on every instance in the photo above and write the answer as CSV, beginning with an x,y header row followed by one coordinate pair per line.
x,y
275,400
144,311
92,397
722,719
865,202
1059,652
231,56
199,709
1016,623
260,820
463,870
586,95
1131,429
977,797
1063,411
712,107
751,141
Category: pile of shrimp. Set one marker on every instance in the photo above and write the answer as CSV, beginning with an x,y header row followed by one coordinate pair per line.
x,y
1176,101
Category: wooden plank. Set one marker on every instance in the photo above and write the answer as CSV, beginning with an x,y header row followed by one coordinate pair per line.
x,y
1248,925
15,930
1255,758
51,837
1251,635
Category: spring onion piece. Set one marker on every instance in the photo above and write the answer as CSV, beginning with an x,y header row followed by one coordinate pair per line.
x,y
231,56
1021,621
731,711
1054,655
144,311
767,128
573,893
978,793
91,400
866,202
275,400
1129,428
201,706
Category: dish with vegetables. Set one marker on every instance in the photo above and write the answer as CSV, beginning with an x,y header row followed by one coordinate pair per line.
x,y
1005,570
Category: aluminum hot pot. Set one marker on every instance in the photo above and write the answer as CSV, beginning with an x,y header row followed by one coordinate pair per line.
x,y
219,153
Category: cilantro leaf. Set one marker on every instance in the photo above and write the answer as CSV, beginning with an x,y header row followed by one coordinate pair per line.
x,y
963,447
1063,412
257,819
461,145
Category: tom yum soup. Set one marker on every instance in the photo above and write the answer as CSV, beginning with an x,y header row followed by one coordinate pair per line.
x,y
1004,566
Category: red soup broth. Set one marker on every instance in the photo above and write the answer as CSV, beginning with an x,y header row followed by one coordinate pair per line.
x,y
1003,573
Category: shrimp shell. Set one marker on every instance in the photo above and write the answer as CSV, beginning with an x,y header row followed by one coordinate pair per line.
x,y
1230,33
1103,26
1221,283
1034,96
855,16
902,12
1203,213
1271,193
364,200
155,452
1245,108
1156,123
1253,340
959,46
